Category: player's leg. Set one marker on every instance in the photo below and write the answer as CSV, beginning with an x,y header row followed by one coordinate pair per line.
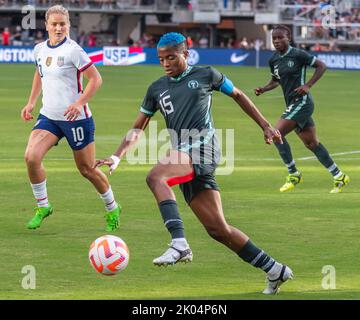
x,y
40,142
310,140
173,169
286,126
85,160
208,209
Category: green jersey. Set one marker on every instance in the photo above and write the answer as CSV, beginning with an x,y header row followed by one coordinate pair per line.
x,y
290,70
185,103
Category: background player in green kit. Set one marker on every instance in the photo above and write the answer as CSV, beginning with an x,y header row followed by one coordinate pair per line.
x,y
183,97
288,69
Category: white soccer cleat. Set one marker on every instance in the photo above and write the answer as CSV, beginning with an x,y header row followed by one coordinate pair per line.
x,y
273,286
172,256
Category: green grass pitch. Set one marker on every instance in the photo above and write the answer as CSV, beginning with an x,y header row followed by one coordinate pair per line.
x,y
306,229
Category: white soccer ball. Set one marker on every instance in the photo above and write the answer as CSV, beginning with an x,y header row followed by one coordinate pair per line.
x,y
108,255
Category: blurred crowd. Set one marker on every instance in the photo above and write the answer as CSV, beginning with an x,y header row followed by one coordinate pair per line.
x,y
113,4
20,37
334,22
310,12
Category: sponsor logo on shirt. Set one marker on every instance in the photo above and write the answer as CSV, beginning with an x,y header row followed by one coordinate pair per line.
x,y
60,61
48,61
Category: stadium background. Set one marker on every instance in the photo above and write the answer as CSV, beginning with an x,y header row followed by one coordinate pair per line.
x,y
308,229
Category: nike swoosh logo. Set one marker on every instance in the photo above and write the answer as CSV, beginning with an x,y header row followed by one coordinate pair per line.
x,y
236,59
161,94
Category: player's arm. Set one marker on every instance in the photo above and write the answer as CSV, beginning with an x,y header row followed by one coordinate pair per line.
x,y
251,110
273,83
34,94
127,142
94,83
320,68
254,113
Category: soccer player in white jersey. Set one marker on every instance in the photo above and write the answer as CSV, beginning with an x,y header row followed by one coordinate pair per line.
x,y
65,113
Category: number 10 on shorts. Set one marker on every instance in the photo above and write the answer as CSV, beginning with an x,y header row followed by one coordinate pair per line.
x,y
78,134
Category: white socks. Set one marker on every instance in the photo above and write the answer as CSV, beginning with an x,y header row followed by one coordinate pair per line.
x,y
40,193
180,244
109,200
275,270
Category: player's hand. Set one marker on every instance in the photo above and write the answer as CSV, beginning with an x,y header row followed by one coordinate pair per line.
x,y
112,162
271,134
26,112
73,111
302,90
258,91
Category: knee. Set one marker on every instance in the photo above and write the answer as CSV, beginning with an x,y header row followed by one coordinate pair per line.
x,y
32,159
86,171
220,233
311,145
152,179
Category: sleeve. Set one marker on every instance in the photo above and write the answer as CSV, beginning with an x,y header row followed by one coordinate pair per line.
x,y
274,76
306,58
80,59
220,82
216,79
271,66
35,53
149,105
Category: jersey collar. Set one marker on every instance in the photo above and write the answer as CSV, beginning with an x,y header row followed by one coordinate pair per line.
x,y
286,53
188,69
58,45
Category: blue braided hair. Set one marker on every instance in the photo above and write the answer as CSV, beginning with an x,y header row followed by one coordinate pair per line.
x,y
171,39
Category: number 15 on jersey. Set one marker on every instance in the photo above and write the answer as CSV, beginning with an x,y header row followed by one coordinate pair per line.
x,y
166,105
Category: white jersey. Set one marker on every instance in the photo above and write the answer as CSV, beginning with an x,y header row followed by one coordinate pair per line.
x,y
60,69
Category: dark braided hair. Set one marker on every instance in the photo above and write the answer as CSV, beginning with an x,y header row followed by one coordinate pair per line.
x,y
283,28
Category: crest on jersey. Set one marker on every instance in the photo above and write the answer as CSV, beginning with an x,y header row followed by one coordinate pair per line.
x,y
60,61
48,61
290,64
193,84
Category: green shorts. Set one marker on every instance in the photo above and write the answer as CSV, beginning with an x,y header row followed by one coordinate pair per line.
x,y
300,111
204,179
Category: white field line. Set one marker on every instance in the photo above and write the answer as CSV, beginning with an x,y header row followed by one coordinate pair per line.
x,y
333,155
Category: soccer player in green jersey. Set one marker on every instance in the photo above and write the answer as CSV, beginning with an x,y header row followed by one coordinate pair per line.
x,y
288,69
183,96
